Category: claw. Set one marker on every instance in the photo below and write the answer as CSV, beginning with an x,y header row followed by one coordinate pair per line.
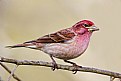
x,y
54,66
53,63
74,72
74,65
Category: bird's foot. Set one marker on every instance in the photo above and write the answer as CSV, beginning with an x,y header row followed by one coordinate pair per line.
x,y
54,66
74,65
53,63
75,68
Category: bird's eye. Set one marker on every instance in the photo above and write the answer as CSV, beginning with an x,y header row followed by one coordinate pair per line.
x,y
86,25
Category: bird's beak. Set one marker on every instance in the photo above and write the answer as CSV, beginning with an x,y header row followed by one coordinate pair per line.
x,y
93,28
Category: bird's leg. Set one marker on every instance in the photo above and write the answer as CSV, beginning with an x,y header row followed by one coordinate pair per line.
x,y
54,63
74,64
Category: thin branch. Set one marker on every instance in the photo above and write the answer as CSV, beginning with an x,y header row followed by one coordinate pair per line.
x,y
112,78
64,67
9,71
13,71
119,79
1,79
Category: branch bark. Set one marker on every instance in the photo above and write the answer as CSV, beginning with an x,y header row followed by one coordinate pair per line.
x,y
63,67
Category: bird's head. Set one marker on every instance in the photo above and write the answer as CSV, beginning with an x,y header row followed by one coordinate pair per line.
x,y
85,26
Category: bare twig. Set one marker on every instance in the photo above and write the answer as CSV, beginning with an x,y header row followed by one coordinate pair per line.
x,y
1,79
9,71
112,78
119,79
14,69
64,67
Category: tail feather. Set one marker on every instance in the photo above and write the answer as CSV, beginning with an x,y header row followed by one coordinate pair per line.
x,y
18,45
29,44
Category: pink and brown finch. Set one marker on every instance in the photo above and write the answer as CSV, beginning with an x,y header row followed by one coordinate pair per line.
x,y
65,44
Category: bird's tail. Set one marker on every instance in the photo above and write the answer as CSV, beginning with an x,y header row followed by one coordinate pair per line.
x,y
19,45
30,44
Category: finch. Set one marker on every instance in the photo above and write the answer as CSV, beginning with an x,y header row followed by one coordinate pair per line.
x,y
65,44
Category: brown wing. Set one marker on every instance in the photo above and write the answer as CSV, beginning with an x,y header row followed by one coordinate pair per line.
x,y
58,37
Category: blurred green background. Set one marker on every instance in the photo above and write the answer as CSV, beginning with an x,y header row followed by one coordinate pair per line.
x,y
23,20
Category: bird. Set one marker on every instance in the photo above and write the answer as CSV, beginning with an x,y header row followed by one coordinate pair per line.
x,y
65,44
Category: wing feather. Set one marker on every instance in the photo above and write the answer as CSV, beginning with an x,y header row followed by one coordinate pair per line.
x,y
58,37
